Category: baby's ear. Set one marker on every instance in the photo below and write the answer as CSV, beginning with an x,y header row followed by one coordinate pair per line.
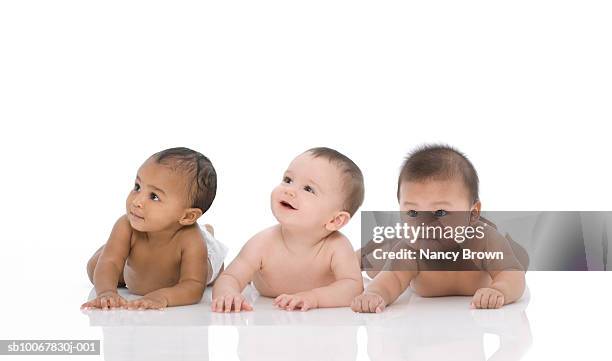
x,y
340,220
475,212
190,216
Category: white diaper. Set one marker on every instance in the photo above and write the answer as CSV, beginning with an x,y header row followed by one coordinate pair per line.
x,y
216,253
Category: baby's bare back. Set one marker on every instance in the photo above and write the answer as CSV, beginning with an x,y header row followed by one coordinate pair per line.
x,y
292,270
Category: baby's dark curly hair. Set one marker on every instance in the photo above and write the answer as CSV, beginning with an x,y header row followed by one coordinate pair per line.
x,y
202,177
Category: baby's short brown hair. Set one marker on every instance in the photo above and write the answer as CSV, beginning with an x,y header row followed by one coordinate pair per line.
x,y
353,178
439,162
201,175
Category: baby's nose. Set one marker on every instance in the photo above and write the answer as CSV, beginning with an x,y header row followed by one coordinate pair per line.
x,y
289,191
137,202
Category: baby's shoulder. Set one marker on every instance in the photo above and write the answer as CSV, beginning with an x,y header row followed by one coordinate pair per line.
x,y
191,237
337,241
123,231
266,237
489,233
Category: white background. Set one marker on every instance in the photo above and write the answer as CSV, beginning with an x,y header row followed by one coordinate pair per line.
x,y
89,90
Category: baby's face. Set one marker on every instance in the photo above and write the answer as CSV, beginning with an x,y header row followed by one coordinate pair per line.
x,y
436,203
310,193
158,199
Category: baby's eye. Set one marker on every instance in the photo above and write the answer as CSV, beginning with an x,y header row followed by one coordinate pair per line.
x,y
154,197
309,189
136,187
412,213
440,213
287,180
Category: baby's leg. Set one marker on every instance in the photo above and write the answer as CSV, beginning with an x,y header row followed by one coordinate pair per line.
x,y
91,266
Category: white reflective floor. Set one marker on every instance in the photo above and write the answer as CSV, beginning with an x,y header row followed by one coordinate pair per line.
x,y
414,327
563,315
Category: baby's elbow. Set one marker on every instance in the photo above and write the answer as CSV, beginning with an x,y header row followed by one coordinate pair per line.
x,y
357,287
196,288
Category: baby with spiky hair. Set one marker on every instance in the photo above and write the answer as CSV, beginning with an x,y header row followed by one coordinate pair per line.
x,y
439,184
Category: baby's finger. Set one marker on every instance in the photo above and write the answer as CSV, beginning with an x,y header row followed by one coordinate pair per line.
x,y
500,301
373,304
97,302
237,303
228,304
214,305
153,305
484,300
305,306
88,304
134,304
221,304
476,299
103,303
278,299
365,304
493,301
354,304
293,303
246,306
144,304
109,302
381,307
282,303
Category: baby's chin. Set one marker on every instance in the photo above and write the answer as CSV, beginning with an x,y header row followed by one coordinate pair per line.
x,y
139,227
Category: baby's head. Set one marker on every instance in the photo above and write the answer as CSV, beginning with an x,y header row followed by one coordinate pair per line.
x,y
439,179
321,189
173,188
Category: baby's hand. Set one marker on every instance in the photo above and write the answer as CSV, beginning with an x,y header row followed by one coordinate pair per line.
x,y
106,300
147,303
368,302
225,303
487,298
300,300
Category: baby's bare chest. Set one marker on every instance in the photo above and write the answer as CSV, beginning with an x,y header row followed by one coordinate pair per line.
x,y
150,267
145,257
446,283
283,271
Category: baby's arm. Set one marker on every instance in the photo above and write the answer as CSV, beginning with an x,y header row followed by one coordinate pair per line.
x,y
192,278
226,295
507,287
340,293
508,276
386,287
110,267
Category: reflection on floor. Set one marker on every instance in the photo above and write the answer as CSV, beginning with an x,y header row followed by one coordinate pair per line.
x,y
413,328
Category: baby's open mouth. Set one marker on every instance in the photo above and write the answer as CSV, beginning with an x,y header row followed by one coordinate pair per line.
x,y
287,205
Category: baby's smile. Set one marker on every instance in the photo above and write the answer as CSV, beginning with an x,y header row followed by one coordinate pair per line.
x,y
287,205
